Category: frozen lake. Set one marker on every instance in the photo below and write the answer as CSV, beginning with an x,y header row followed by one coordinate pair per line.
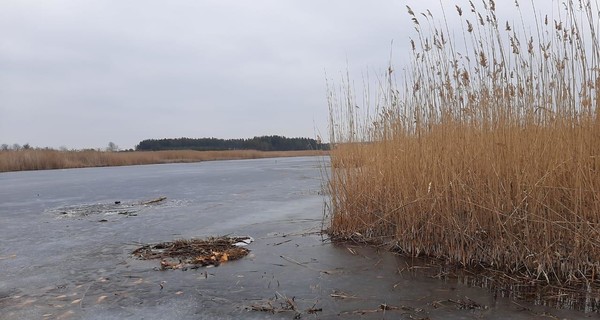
x,y
65,249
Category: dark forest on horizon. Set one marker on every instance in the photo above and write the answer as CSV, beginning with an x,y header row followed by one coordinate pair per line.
x,y
262,143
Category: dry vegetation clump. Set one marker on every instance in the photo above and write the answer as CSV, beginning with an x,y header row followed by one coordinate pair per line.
x,y
194,253
42,159
487,153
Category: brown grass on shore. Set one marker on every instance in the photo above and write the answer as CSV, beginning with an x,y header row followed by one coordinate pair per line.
x,y
54,159
488,156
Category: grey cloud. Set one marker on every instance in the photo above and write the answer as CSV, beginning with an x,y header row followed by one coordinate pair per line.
x,y
82,73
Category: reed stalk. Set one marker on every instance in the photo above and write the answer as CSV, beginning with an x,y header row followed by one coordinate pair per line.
x,y
487,152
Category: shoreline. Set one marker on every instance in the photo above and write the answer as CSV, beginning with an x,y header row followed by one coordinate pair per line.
x,y
32,160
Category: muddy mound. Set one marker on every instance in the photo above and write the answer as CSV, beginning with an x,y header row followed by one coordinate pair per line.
x,y
195,253
110,208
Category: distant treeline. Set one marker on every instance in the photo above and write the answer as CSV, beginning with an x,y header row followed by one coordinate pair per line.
x,y
264,143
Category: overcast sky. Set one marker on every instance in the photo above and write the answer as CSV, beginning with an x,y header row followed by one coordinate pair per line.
x,y
82,73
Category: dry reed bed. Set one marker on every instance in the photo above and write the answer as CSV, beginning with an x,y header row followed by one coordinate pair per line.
x,y
54,159
488,156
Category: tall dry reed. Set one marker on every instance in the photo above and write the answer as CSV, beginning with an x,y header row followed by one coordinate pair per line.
x,y
487,152
53,159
